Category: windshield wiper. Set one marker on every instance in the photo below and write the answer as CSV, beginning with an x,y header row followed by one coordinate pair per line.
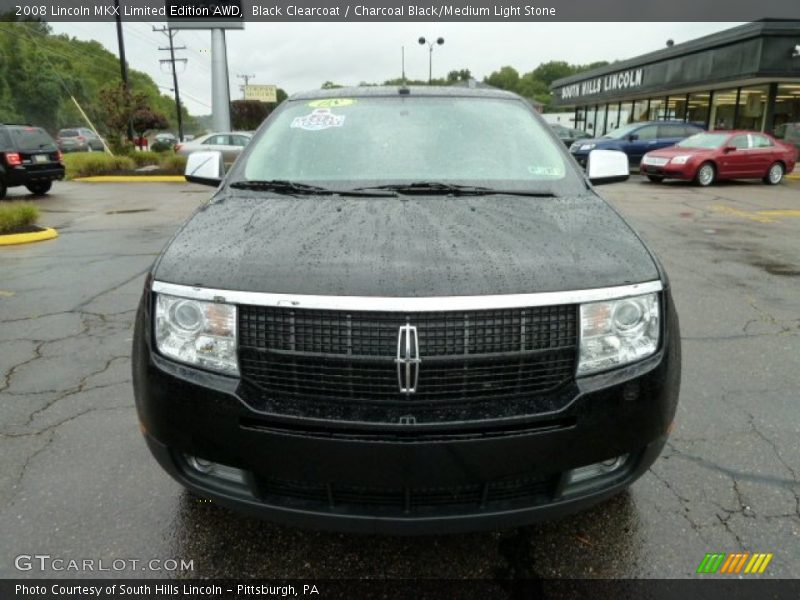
x,y
434,187
281,186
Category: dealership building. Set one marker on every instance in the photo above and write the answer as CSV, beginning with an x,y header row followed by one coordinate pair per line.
x,y
747,77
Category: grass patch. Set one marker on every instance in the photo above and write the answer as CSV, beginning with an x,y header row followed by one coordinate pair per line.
x,y
173,164
145,158
16,215
86,164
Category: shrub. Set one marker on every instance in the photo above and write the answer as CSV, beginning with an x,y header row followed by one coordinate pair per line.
x,y
17,214
86,164
146,157
174,164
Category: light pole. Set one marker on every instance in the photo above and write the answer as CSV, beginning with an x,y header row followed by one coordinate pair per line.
x,y
438,42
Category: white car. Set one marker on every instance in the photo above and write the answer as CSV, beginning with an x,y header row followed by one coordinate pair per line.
x,y
230,144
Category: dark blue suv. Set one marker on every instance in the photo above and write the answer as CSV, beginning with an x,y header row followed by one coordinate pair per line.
x,y
635,139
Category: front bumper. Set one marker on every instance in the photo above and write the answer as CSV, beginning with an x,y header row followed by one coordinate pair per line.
x,y
669,171
406,479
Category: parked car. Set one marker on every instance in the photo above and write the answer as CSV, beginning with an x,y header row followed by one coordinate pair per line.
x,y
79,139
789,133
708,157
635,139
166,138
567,135
29,157
230,144
406,310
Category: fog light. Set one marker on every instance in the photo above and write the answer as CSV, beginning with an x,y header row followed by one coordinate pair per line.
x,y
215,470
596,470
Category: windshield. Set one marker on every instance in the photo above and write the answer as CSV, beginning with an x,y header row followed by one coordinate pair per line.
x,y
31,139
68,133
621,132
704,140
355,142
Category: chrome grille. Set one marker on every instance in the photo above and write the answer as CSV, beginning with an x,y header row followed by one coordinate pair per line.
x,y
341,364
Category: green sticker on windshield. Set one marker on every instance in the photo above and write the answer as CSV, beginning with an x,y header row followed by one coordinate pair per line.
x,y
332,102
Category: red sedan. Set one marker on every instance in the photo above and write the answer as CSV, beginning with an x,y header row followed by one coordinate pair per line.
x,y
709,156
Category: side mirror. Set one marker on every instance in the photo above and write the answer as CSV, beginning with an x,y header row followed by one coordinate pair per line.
x,y
729,149
205,168
607,166
633,137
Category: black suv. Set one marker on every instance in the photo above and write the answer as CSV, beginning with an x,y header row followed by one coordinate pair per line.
x,y
406,310
29,157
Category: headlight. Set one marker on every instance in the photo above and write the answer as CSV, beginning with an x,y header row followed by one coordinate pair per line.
x,y
617,332
680,160
197,333
587,146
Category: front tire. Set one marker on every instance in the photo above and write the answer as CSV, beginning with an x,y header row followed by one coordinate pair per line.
x,y
39,188
775,174
655,178
706,175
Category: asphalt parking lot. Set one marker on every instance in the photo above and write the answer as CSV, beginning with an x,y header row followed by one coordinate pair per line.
x,y
76,480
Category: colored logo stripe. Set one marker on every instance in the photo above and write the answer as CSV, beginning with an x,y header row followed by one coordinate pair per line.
x,y
758,563
734,563
710,563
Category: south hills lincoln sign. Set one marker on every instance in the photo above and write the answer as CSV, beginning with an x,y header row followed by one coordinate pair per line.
x,y
624,80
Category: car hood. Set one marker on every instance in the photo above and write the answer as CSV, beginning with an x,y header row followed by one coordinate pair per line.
x,y
598,142
408,246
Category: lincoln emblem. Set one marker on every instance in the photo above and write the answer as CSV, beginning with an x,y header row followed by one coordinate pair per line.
x,y
408,359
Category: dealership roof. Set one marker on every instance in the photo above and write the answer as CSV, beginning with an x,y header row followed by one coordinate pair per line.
x,y
765,27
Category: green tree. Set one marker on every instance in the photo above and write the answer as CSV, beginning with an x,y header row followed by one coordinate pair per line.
x,y
548,72
507,78
460,75
145,120
247,115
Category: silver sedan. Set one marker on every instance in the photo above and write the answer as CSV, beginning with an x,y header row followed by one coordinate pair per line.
x,y
230,144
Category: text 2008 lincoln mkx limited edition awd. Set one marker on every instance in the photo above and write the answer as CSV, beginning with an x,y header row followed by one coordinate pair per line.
x,y
406,310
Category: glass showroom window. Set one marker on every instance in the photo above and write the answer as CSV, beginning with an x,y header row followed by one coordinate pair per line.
x,y
752,108
656,109
639,112
698,109
591,113
787,113
676,108
580,118
723,110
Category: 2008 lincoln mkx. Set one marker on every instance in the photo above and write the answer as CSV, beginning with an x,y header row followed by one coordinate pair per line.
x,y
406,310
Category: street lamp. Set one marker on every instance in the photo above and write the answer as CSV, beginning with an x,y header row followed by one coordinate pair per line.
x,y
438,42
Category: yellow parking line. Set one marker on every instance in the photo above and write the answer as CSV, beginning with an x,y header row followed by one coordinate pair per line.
x,y
743,214
781,212
133,179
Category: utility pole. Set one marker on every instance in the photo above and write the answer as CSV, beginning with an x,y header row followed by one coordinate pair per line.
x,y
220,86
247,79
123,65
172,60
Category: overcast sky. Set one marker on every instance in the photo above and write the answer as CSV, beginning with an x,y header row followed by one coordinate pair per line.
x,y
301,56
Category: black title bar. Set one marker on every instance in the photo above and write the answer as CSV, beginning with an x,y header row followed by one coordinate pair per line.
x,y
401,10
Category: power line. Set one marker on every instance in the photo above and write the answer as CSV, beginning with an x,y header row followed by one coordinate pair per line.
x,y
172,60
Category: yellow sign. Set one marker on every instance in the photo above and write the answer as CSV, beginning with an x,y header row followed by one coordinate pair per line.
x,y
331,102
262,93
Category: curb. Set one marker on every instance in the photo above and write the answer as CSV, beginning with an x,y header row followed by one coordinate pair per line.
x,y
793,176
132,179
47,233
